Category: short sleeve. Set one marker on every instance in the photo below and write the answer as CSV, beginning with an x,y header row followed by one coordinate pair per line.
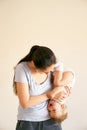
x,y
20,74
71,84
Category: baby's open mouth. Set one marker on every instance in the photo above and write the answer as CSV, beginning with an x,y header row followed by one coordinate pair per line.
x,y
50,104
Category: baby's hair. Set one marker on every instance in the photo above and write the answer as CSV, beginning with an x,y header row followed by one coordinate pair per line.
x,y
63,116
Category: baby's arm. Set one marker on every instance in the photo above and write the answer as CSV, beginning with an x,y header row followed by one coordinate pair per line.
x,y
62,78
67,78
58,73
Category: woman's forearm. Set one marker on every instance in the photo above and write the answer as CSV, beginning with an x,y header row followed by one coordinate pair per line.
x,y
25,99
35,100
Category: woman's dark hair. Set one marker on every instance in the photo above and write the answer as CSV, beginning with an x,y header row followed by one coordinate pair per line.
x,y
41,56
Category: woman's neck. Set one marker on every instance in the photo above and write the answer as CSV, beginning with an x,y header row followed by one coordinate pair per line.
x,y
38,75
32,67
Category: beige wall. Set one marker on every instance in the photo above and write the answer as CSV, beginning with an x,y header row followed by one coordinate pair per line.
x,y
60,25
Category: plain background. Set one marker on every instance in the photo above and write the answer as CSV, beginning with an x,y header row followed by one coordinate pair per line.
x,y
59,24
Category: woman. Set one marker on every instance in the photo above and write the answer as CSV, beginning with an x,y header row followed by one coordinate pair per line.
x,y
32,84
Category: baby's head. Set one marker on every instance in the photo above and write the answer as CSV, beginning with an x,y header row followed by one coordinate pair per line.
x,y
57,111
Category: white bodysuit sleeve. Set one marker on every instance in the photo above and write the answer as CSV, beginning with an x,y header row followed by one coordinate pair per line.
x,y
59,66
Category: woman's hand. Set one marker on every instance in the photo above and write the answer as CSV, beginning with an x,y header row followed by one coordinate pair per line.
x,y
62,95
57,91
68,90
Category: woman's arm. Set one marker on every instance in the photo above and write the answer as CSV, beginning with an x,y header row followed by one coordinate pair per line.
x,y
25,99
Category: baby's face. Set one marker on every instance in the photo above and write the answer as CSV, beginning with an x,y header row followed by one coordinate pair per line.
x,y
54,108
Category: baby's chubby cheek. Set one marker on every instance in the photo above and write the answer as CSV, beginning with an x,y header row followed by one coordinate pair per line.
x,y
55,105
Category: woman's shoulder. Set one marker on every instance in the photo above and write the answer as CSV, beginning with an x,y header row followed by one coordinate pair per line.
x,y
22,64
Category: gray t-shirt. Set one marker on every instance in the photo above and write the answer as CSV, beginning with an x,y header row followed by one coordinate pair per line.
x,y
38,112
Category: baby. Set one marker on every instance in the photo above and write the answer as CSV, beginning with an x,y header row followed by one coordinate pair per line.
x,y
63,80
